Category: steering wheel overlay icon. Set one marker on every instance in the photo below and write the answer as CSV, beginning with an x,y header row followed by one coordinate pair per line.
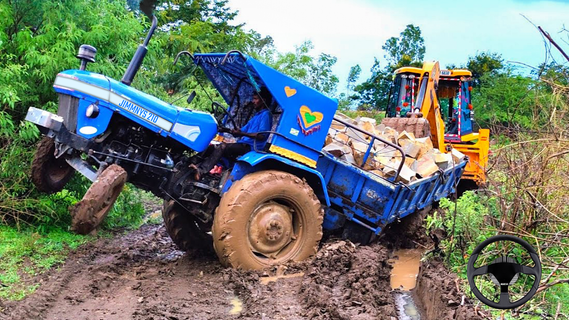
x,y
504,271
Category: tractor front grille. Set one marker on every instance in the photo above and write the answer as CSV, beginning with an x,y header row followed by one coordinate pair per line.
x,y
68,106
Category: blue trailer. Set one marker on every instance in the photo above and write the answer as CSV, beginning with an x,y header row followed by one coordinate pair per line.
x,y
265,207
351,197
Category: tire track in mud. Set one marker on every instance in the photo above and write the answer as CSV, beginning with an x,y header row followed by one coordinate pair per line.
x,y
349,282
142,275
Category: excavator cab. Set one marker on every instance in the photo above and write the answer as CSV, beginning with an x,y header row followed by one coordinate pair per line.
x,y
454,91
404,89
454,95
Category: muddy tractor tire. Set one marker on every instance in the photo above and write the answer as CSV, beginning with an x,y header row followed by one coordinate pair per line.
x,y
267,218
184,229
87,214
49,174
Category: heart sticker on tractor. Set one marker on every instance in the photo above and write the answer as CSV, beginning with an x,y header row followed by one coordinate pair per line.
x,y
289,91
310,118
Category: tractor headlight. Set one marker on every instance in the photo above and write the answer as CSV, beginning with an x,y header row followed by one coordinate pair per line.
x,y
92,111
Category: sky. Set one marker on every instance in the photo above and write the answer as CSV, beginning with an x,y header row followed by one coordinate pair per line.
x,y
354,31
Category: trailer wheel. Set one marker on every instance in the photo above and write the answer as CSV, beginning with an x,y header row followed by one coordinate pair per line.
x,y
184,229
49,174
87,214
357,233
267,218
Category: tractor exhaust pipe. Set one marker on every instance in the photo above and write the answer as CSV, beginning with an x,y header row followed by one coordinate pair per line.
x,y
139,55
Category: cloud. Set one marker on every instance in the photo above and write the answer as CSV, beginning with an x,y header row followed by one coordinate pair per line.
x,y
354,31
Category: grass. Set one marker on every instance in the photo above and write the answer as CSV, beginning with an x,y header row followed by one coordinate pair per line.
x,y
28,250
25,254
154,218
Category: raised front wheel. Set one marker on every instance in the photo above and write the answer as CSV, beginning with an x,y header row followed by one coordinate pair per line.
x,y
87,214
267,218
49,174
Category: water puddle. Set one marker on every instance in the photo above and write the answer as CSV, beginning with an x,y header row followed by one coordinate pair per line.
x,y
171,256
405,268
405,265
237,306
266,280
406,308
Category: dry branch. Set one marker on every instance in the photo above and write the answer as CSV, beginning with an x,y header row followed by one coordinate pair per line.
x,y
549,285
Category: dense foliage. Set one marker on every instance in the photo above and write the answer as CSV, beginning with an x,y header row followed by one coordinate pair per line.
x,y
527,191
37,40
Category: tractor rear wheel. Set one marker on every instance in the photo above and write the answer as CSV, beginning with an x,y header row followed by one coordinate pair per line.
x,y
184,229
267,218
49,174
87,214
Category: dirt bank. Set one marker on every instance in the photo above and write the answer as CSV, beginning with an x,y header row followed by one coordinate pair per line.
x,y
141,275
438,294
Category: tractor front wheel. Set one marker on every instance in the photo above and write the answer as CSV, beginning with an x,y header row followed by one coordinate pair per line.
x,y
87,214
49,174
267,218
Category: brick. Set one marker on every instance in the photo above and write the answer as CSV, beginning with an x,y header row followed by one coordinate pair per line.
x,y
426,167
407,175
337,149
410,148
457,156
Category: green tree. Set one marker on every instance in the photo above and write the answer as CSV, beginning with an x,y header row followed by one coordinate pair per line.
x,y
554,74
38,39
484,63
406,50
347,98
373,92
320,76
301,65
175,12
506,99
196,26
353,76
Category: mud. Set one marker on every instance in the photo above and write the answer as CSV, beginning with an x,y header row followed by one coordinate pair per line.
x,y
409,233
141,275
348,282
439,297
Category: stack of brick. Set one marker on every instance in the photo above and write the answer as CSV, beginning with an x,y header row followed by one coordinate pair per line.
x,y
421,158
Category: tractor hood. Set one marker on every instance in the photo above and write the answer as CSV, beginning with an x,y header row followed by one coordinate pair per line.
x,y
306,113
193,128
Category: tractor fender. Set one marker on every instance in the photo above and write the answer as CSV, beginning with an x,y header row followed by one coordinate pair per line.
x,y
255,161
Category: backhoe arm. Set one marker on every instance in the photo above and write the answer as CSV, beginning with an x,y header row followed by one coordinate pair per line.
x,y
428,104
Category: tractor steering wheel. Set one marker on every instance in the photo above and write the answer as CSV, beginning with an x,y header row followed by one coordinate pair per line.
x,y
217,108
504,271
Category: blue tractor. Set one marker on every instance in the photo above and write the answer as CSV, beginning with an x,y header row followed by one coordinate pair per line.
x,y
268,206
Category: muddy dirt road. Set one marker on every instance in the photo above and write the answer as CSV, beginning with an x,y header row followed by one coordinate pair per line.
x,y
141,275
